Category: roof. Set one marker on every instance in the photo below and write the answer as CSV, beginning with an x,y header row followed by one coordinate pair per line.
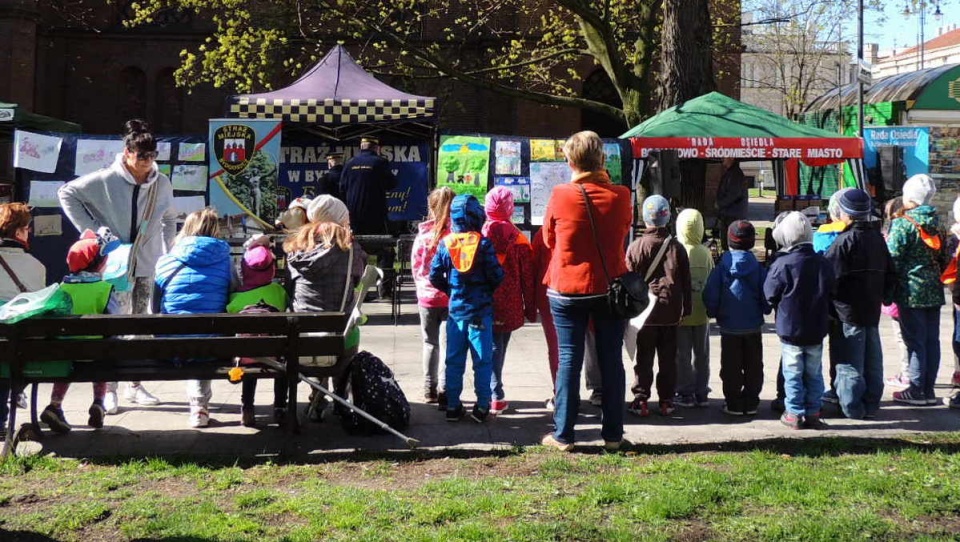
x,y
14,116
947,39
909,87
336,91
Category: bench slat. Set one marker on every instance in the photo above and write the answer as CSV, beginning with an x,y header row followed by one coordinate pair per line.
x,y
118,324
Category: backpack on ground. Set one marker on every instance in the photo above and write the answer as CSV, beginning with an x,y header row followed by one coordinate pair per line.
x,y
371,386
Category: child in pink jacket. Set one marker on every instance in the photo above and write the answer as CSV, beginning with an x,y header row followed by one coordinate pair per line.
x,y
514,298
432,303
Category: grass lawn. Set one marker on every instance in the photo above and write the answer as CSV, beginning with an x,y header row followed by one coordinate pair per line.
x,y
823,489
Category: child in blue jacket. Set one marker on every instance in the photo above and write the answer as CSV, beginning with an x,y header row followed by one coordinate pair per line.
x,y
734,296
466,268
798,286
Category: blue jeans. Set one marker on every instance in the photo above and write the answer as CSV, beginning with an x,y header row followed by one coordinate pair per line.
x,y
500,342
570,317
802,378
859,381
463,335
921,334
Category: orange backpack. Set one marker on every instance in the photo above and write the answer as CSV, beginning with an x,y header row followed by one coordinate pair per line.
x,y
463,249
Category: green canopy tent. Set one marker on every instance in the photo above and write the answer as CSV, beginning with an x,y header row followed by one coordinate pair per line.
x,y
714,126
13,117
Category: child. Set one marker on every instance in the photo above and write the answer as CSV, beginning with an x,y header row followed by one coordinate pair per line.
x,y
90,295
953,249
670,282
513,299
694,331
798,286
257,269
822,239
894,209
865,278
194,278
466,269
734,296
432,304
915,245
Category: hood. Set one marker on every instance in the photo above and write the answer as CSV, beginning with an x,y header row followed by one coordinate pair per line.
x,y
119,168
742,263
426,226
466,214
690,227
503,235
926,216
499,204
316,264
200,251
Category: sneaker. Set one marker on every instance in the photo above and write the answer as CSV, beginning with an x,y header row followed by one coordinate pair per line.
x,y
952,402
596,398
909,397
931,401
791,420
479,414
199,417
777,405
248,417
551,442
702,402
549,404
639,407
110,403
667,408
830,396
616,445
498,405
96,413
55,420
140,396
454,414
814,422
430,397
955,380
442,400
750,411
685,401
730,411
22,401
899,381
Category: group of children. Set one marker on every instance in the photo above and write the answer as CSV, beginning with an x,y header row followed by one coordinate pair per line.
x,y
197,276
478,271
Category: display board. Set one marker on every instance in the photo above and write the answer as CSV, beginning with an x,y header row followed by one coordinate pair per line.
x,y
530,167
914,140
45,161
303,162
244,161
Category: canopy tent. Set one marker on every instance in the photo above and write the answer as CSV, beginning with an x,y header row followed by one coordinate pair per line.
x,y
14,116
340,100
714,126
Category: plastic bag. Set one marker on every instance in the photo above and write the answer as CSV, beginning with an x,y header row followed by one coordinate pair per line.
x,y
50,300
117,269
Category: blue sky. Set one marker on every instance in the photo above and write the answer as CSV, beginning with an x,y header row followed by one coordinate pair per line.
x,y
891,29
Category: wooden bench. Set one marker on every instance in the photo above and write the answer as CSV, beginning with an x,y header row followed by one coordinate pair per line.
x,y
145,347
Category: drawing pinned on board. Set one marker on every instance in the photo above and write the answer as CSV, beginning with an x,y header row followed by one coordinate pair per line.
x,y
464,164
190,177
546,150
188,204
163,151
36,152
192,152
96,154
507,158
47,225
520,186
544,176
44,193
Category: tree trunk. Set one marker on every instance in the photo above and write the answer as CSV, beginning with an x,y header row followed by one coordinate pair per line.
x,y
686,71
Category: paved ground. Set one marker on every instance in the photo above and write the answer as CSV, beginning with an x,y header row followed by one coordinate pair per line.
x,y
162,430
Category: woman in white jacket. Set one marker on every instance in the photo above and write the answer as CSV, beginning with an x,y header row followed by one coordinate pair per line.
x,y
19,272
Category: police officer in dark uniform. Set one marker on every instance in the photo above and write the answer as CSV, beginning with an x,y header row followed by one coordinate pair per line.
x,y
330,181
364,183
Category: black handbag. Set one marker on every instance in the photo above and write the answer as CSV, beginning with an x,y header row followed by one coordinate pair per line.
x,y
627,295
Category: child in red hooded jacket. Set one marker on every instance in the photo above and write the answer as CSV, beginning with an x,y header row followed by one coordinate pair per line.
x,y
514,298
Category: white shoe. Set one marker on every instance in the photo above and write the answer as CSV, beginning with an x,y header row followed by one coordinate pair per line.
x,y
199,417
110,402
140,396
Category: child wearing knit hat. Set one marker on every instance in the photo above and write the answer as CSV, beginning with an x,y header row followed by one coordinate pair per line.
x,y
734,296
799,285
257,269
866,279
670,281
90,295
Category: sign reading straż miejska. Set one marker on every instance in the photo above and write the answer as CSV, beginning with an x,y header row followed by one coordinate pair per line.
x,y
810,150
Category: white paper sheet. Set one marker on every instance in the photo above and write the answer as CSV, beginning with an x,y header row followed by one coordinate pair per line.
x,y
190,177
36,152
163,151
192,152
47,225
188,204
44,193
543,177
94,154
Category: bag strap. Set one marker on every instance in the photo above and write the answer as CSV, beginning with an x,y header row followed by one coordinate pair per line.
x,y
16,280
147,215
658,258
593,228
346,287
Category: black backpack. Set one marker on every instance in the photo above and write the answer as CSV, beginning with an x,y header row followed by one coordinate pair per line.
x,y
370,385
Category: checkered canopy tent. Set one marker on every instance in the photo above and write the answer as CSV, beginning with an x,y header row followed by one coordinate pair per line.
x,y
337,91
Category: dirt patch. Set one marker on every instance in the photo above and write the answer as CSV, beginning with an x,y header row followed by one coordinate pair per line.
x,y
695,531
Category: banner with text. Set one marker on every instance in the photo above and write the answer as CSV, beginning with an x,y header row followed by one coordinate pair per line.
x,y
812,151
915,142
243,159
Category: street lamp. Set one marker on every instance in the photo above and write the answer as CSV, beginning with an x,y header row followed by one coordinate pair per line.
x,y
921,10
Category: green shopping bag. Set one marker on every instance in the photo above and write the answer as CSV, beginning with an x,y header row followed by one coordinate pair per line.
x,y
50,300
